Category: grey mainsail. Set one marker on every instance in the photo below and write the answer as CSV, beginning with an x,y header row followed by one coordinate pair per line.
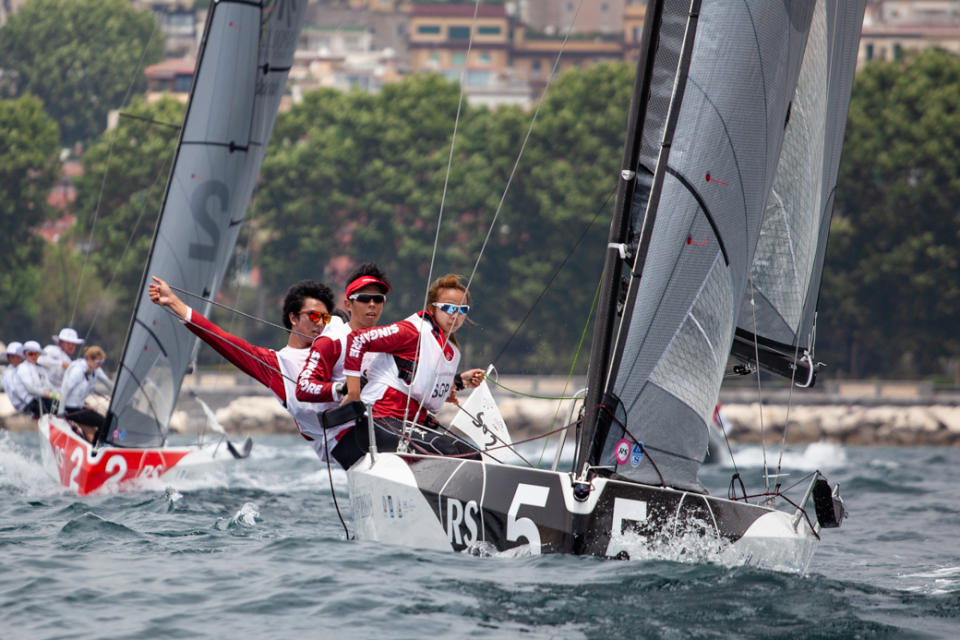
x,y
241,73
777,317
687,262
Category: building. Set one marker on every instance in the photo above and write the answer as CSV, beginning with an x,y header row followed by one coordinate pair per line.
x,y
170,76
558,16
894,27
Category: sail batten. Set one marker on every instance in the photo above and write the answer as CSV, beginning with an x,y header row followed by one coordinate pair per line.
x,y
230,113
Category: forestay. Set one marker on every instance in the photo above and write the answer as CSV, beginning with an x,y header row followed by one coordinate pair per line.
x,y
788,262
240,78
717,150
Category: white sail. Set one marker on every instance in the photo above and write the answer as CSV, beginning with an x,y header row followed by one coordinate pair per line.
x,y
240,78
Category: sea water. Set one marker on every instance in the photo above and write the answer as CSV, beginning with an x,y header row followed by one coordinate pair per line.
x,y
258,551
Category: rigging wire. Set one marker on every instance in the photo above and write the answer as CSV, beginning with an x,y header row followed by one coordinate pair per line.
x,y
103,182
136,225
756,355
443,198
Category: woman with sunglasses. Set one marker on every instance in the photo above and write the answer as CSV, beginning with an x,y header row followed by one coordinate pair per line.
x,y
417,377
307,309
79,381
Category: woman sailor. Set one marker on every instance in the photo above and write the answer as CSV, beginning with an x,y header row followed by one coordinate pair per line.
x,y
419,377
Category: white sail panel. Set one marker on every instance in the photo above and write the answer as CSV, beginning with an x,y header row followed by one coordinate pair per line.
x,y
694,360
789,258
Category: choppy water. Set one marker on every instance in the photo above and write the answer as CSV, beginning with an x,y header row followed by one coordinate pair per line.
x,y
258,552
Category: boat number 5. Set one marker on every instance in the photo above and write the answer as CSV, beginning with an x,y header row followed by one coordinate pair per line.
x,y
535,496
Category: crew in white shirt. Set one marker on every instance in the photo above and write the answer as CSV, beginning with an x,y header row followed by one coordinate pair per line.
x,y
12,385
35,380
57,357
79,380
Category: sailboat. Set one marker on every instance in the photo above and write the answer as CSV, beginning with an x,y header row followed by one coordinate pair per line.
x,y
714,256
239,80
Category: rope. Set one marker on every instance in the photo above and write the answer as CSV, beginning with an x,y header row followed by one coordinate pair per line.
x,y
523,146
576,356
556,273
103,183
238,312
530,395
443,199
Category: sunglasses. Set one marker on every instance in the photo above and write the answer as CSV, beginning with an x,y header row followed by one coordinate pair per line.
x,y
98,362
316,317
453,309
365,298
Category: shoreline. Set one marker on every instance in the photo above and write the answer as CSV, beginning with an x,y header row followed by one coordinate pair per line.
x,y
851,413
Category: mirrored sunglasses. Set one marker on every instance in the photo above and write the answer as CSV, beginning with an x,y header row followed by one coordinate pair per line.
x,y
98,362
316,317
365,298
453,309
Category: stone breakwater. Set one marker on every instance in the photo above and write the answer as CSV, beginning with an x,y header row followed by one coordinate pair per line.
x,y
853,421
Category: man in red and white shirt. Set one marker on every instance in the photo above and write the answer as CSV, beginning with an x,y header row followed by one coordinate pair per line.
x,y
307,310
415,373
321,382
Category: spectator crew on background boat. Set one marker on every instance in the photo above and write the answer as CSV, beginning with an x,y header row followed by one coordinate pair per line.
x,y
417,377
57,357
322,380
79,380
306,315
35,380
17,393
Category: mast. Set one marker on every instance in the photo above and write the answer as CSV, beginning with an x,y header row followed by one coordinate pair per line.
x,y
630,200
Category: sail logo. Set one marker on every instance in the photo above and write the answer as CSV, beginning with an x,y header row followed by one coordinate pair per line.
x,y
623,451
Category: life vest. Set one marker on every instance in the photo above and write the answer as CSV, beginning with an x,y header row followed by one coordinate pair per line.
x,y
433,371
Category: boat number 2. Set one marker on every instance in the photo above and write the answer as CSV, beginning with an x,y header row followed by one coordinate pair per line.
x,y
117,466
76,457
535,496
207,252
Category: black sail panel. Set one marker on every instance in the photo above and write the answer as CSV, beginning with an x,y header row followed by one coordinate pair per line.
x,y
712,179
239,80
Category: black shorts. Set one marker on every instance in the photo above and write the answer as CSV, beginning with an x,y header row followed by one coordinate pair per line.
x,y
389,434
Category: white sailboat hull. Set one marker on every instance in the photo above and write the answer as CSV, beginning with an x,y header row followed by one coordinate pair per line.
x,y
488,508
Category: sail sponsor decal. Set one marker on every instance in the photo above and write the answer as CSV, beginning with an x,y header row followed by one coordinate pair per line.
x,y
622,451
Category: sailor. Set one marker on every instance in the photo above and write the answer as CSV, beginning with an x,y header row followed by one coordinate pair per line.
x,y
322,381
79,381
16,392
418,378
35,381
57,357
307,314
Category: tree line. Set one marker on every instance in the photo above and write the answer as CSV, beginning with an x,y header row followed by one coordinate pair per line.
x,y
356,176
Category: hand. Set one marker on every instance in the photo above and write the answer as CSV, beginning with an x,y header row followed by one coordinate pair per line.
x,y
472,378
161,294
66,364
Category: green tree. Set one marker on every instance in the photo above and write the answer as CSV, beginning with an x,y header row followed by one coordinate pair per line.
x,y
28,169
891,298
81,57
353,177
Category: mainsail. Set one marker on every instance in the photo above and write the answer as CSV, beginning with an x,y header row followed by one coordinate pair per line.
x,y
241,73
715,87
776,324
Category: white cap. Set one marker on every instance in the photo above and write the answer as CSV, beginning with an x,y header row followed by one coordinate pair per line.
x,y
31,345
68,335
15,349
